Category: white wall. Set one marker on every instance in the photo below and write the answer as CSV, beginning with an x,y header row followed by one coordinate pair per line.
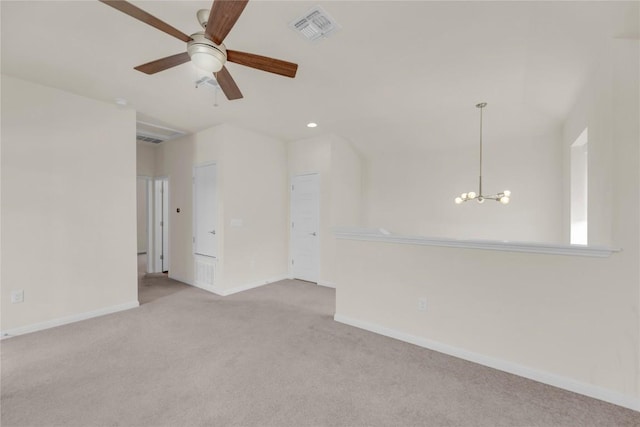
x,y
141,214
568,320
346,184
340,170
252,186
412,192
346,198
68,205
594,110
146,153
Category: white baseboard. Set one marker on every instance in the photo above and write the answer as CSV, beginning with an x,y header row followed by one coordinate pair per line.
x,y
326,284
252,285
226,292
565,383
67,319
180,279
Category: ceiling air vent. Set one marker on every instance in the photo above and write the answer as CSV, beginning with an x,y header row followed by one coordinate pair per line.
x,y
147,139
314,24
154,133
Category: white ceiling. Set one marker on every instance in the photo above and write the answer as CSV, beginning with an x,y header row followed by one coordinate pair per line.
x,y
397,74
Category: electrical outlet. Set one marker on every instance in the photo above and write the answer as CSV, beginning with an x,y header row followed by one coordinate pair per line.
x,y
422,304
17,296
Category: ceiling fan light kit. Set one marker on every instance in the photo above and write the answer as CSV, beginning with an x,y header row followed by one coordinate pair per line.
x,y
205,49
205,54
503,197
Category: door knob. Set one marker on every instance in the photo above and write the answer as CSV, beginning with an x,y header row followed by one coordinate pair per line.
x,y
312,234
212,231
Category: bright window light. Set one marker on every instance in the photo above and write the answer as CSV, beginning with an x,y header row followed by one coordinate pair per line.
x,y
579,189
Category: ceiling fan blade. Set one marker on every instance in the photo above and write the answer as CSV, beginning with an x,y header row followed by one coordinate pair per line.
x,y
164,63
223,16
141,15
272,65
227,84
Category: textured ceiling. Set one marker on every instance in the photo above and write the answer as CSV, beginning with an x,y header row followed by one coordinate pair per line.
x,y
396,75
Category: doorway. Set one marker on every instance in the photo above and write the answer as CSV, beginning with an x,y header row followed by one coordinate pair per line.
x,y
160,221
143,210
305,224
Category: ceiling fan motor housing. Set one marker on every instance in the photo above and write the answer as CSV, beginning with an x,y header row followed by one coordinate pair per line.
x,y
200,45
203,17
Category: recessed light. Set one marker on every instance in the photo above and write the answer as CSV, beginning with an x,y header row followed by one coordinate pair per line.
x,y
121,102
312,125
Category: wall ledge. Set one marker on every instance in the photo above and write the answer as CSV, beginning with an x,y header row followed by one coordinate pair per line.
x,y
381,235
570,384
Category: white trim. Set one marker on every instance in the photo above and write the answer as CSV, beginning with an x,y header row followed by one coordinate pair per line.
x,y
203,287
326,284
148,197
226,292
373,235
555,380
68,319
247,286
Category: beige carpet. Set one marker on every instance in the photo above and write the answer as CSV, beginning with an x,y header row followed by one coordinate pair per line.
x,y
272,356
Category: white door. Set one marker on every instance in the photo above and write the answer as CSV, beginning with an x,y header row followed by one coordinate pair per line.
x,y
205,241
305,222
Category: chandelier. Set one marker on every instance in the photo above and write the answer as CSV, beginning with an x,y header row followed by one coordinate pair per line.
x,y
503,197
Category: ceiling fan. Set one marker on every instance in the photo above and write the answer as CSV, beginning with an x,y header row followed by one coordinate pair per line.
x,y
205,48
